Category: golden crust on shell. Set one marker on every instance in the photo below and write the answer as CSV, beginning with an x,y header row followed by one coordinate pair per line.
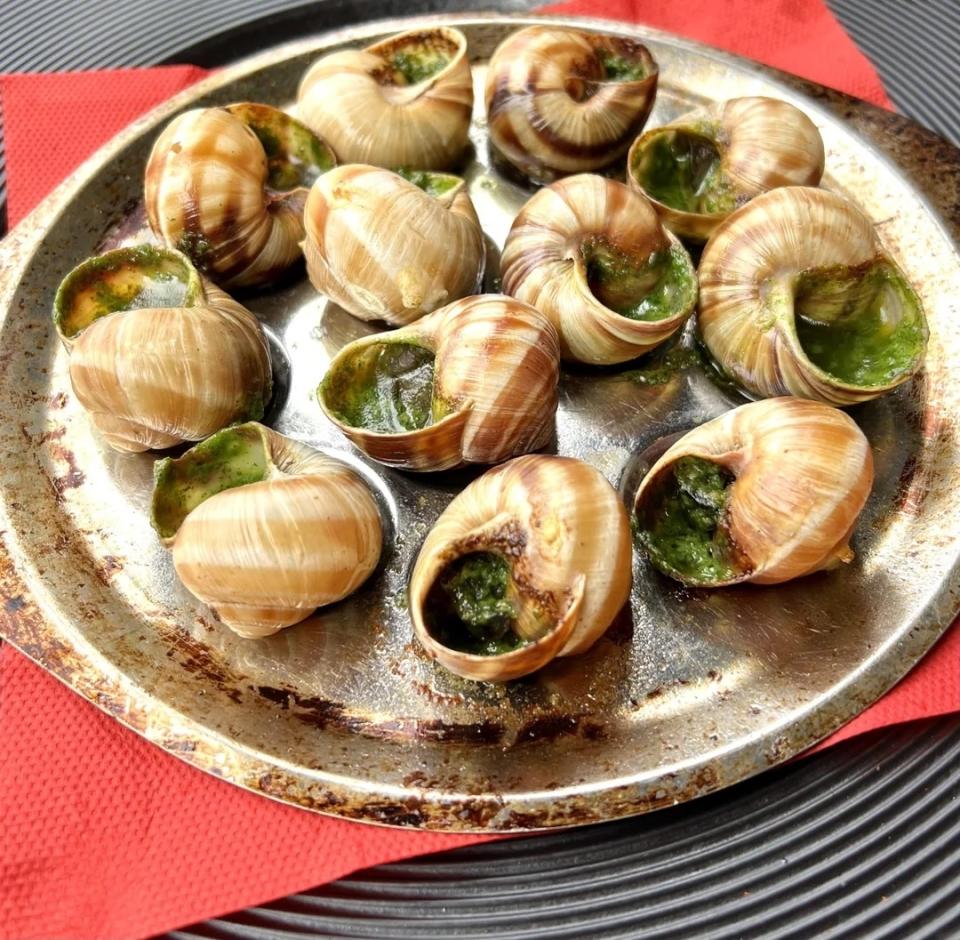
x,y
565,533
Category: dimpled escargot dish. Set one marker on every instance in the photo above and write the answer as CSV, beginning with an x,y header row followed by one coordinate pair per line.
x,y
767,492
226,186
700,167
405,101
474,382
593,256
798,297
389,246
158,355
264,529
563,100
530,562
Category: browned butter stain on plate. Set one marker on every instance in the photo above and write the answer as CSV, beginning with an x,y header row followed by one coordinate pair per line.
x,y
688,692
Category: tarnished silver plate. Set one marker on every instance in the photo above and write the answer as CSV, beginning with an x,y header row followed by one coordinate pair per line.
x,y
688,691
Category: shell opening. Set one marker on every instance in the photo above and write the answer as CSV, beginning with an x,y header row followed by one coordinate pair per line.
x,y
433,184
125,279
233,457
683,170
296,157
412,58
656,287
623,60
862,325
682,523
384,387
477,606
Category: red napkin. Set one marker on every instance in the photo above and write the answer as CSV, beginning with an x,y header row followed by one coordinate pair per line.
x,y
104,836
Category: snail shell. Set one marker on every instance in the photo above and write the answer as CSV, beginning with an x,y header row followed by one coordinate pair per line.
x,y
227,185
402,102
563,533
699,168
562,100
265,529
189,362
586,244
384,248
474,382
802,473
798,297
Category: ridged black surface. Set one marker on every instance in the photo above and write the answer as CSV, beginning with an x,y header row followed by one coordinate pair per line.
x,y
860,841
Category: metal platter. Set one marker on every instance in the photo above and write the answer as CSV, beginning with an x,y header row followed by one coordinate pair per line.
x,y
687,693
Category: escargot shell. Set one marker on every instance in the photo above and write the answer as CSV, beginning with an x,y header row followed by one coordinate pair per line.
x,y
592,255
402,102
385,248
474,382
213,192
265,529
563,100
801,473
798,297
188,362
560,534
699,168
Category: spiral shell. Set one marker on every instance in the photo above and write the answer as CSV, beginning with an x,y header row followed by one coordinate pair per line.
x,y
562,100
564,533
586,236
227,185
802,470
386,249
189,362
402,102
699,168
265,529
474,382
798,297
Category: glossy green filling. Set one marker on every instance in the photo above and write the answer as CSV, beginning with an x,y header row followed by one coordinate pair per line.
x,y
296,157
433,184
232,457
863,326
469,607
683,170
655,288
420,64
665,366
384,387
683,528
125,279
617,68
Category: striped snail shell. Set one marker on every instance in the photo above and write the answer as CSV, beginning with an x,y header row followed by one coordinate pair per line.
x,y
159,356
766,492
392,247
562,100
473,382
402,102
699,168
799,297
530,562
226,186
265,529
592,255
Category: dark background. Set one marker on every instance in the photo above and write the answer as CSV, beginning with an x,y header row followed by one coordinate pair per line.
x,y
860,841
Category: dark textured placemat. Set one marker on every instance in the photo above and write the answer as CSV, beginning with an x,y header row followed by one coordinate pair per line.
x,y
860,841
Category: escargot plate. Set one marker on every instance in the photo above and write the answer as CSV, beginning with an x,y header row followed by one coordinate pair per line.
x,y
687,691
